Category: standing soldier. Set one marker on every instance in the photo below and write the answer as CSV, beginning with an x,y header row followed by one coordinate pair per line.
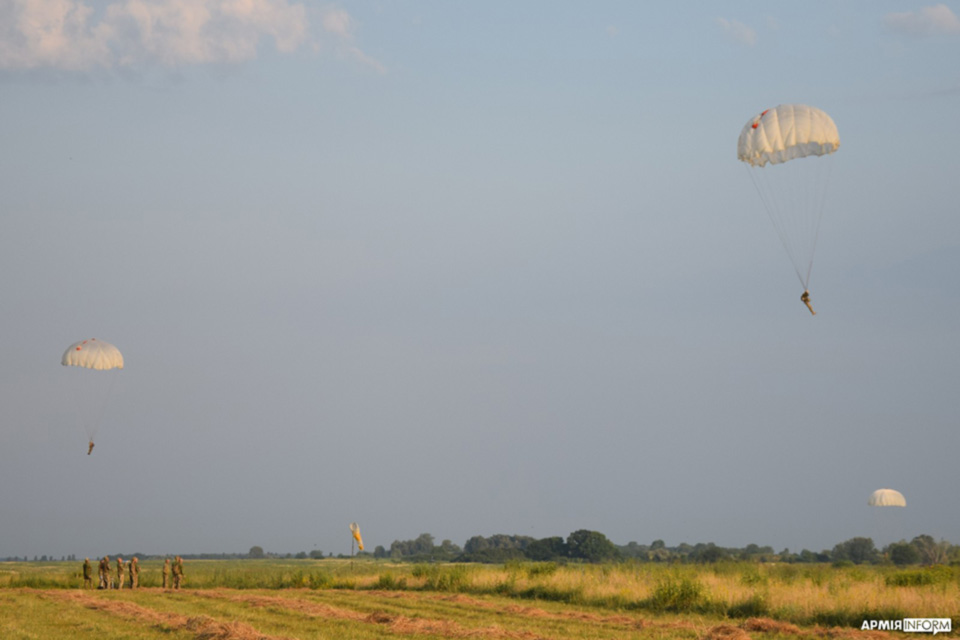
x,y
87,574
106,578
120,575
134,573
166,573
177,572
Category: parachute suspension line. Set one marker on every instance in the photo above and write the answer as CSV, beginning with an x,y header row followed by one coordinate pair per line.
x,y
100,409
779,221
823,180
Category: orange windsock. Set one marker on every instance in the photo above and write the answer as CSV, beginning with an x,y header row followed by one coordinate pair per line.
x,y
355,530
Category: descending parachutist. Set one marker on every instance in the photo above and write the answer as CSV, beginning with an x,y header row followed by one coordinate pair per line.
x,y
805,298
90,448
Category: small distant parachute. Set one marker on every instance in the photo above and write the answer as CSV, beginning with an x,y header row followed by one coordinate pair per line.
x,y
785,150
886,498
92,389
355,530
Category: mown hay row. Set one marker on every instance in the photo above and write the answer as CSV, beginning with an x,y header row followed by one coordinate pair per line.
x,y
203,627
395,623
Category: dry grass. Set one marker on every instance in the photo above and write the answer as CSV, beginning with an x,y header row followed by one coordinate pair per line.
x,y
726,632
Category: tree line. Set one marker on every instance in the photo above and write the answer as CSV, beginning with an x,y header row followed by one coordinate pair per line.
x,y
584,545
592,546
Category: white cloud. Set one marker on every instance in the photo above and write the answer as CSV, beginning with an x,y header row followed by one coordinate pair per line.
x,y
338,23
62,34
52,33
738,31
928,21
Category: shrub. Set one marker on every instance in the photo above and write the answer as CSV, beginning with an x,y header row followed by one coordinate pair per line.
x,y
389,582
677,595
752,577
920,577
450,578
753,607
536,569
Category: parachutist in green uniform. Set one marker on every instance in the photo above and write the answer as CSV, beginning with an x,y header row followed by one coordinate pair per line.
x,y
90,448
134,573
106,578
805,299
87,574
177,572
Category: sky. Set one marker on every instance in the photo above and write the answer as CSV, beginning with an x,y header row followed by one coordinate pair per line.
x,y
470,268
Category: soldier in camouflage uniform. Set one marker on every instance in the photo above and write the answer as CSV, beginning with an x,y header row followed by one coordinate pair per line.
x,y
87,574
177,572
106,578
120,576
135,573
166,573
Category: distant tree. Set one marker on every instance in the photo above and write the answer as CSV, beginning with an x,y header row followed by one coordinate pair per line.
x,y
316,554
547,549
379,552
475,544
708,553
660,554
657,544
255,552
302,555
591,546
448,550
422,547
634,550
856,550
902,553
499,541
931,551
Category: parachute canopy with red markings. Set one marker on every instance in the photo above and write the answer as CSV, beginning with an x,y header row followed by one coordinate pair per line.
x,y
93,354
787,132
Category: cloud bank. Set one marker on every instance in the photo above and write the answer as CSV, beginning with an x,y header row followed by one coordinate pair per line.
x,y
67,35
929,21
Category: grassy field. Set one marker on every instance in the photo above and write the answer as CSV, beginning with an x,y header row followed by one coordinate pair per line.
x,y
270,599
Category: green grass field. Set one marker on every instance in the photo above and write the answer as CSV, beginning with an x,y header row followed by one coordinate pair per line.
x,y
270,599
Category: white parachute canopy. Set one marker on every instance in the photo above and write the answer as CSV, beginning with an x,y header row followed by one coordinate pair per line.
x,y
887,498
91,391
92,354
784,150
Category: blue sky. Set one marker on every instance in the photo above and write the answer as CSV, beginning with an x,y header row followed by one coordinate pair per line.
x,y
470,269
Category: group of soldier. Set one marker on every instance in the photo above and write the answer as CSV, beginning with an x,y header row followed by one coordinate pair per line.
x,y
106,574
